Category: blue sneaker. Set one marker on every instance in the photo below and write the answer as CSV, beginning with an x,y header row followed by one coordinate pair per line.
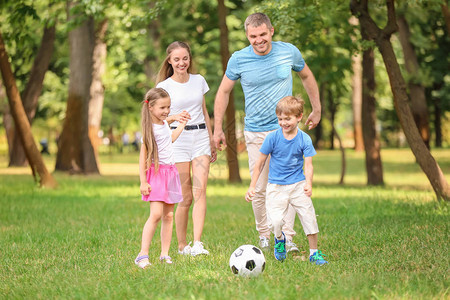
x,y
317,258
280,248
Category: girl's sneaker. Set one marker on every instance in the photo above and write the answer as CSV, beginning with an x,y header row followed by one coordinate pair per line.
x,y
142,261
166,259
317,258
198,249
186,250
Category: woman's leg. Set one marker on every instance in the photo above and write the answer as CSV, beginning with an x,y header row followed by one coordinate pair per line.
x,y
156,210
182,211
166,228
200,172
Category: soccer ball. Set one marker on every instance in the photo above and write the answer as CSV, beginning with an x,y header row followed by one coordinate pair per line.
x,y
247,261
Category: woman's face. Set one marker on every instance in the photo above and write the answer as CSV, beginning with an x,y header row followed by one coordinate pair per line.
x,y
180,61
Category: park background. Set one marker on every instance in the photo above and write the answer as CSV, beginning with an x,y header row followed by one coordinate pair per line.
x,y
70,224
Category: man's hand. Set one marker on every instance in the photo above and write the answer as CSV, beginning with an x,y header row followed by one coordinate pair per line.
x,y
313,120
219,137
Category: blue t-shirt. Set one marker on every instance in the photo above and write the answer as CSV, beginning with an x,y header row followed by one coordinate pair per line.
x,y
286,156
265,79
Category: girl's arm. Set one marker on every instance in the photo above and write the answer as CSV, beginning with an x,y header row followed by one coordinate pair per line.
x,y
182,116
259,166
177,131
208,126
309,171
145,187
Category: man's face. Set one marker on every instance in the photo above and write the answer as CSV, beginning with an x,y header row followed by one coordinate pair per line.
x,y
260,38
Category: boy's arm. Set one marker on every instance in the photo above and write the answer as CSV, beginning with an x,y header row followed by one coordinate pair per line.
x,y
259,166
309,171
145,187
177,131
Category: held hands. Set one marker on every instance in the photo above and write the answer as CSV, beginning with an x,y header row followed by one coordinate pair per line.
x,y
308,189
249,195
213,152
313,119
182,117
145,189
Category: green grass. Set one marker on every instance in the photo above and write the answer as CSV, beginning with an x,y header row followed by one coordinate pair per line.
x,y
79,241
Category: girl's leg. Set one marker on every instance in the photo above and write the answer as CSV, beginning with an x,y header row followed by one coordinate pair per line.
x,y
200,172
166,228
156,210
182,211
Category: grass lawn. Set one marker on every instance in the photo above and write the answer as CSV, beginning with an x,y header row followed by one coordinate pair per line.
x,y
80,240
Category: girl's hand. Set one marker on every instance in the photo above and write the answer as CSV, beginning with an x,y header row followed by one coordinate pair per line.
x,y
145,189
308,189
182,117
249,195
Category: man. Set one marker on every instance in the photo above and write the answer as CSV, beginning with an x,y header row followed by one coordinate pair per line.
x,y
264,68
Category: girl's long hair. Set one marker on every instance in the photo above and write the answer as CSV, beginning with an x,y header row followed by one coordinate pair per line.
x,y
148,136
166,69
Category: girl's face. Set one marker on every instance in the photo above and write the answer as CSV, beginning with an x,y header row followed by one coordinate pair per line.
x,y
160,110
180,61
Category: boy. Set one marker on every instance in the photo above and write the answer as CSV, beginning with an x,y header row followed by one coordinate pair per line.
x,y
287,183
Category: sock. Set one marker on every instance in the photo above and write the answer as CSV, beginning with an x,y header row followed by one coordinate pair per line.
x,y
312,251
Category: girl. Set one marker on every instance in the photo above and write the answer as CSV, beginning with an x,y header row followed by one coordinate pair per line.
x,y
160,182
194,150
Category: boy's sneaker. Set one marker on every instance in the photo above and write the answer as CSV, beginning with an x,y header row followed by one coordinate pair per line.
x,y
198,249
186,250
291,247
317,258
280,248
264,243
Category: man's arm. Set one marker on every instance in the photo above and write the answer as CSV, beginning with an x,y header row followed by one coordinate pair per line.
x,y
220,106
310,85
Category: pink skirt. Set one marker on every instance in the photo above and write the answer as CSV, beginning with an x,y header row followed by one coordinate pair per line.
x,y
166,186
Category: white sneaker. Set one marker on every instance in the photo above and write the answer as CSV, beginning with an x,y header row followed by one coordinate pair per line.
x,y
264,243
186,250
291,246
198,249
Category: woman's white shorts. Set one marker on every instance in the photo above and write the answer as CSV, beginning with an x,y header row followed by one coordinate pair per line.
x,y
191,144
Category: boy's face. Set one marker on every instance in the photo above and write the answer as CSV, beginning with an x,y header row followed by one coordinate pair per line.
x,y
289,122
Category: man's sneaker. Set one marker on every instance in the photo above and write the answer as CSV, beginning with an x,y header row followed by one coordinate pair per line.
x,y
317,258
264,243
280,249
186,250
291,247
198,249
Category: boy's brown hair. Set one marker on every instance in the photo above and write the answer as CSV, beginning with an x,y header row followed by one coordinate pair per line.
x,y
290,105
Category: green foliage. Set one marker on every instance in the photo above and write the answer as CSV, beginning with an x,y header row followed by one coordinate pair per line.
x,y
80,240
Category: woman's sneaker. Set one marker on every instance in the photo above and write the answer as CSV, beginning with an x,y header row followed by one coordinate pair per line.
x,y
186,250
198,249
264,243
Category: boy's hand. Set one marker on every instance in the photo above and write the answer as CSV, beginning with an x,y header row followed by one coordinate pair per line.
x,y
249,195
308,189
145,188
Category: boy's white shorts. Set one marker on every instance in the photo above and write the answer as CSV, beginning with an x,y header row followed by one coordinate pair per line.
x,y
278,198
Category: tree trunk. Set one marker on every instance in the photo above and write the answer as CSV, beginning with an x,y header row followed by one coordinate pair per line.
x,y
398,87
357,95
416,90
230,120
151,61
32,92
38,168
75,151
374,167
335,133
446,14
97,88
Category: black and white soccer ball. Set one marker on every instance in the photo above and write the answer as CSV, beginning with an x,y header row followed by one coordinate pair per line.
x,y
247,261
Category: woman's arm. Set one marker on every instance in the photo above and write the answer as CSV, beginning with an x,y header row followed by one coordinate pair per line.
x,y
208,126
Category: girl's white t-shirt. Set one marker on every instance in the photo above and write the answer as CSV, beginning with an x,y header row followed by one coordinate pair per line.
x,y
163,138
187,96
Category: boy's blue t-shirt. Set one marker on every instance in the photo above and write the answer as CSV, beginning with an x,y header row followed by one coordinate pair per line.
x,y
286,156
265,79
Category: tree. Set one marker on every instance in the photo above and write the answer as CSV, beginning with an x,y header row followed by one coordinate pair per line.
x,y
75,151
230,121
38,168
381,37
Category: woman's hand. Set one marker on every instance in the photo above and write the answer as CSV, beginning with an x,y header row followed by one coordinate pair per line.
x,y
182,117
213,152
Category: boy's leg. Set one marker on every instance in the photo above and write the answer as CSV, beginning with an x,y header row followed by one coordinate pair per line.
x,y
277,202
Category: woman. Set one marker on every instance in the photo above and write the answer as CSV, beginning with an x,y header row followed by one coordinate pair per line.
x,y
194,150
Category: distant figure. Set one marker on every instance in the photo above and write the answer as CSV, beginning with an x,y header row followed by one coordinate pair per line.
x,y
44,145
125,141
137,140
160,181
